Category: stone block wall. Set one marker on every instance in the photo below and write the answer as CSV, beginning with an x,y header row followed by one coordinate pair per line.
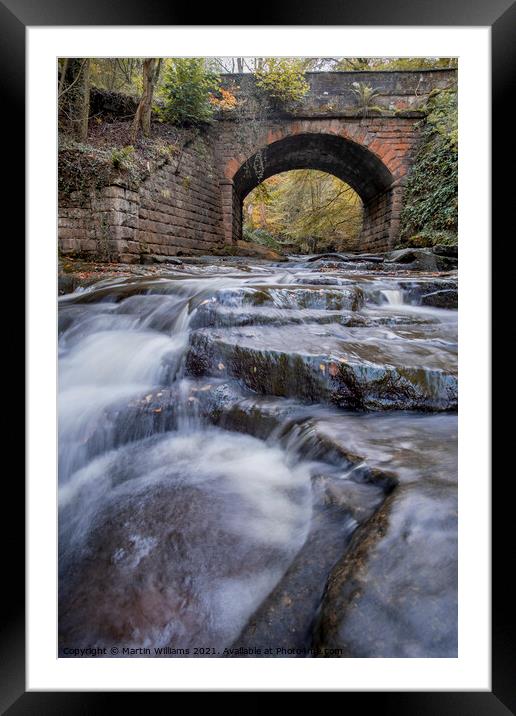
x,y
176,211
101,224
181,207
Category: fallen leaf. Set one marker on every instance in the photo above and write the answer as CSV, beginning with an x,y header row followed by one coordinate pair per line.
x,y
333,369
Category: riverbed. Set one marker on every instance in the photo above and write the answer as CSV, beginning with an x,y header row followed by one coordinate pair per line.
x,y
259,460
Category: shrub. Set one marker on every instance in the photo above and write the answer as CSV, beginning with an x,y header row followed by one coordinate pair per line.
x,y
186,92
282,79
121,158
226,102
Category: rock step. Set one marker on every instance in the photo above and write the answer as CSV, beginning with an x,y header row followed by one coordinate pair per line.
x,y
359,368
394,592
211,314
334,298
415,293
445,298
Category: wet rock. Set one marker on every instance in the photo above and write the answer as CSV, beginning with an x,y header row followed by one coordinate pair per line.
x,y
445,250
212,314
158,411
347,258
66,283
369,258
168,543
359,368
334,257
421,260
284,622
157,259
394,594
314,279
115,291
415,447
292,297
447,263
446,298
414,290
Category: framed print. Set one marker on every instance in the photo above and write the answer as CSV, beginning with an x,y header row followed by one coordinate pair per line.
x,y
258,450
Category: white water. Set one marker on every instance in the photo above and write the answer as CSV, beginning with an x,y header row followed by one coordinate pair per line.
x,y
394,297
125,503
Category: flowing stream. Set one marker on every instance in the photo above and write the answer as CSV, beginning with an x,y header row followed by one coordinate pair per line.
x,y
259,460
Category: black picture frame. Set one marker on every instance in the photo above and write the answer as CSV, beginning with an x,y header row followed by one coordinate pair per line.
x,y
500,15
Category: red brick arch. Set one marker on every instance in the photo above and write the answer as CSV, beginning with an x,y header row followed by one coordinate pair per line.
x,y
371,154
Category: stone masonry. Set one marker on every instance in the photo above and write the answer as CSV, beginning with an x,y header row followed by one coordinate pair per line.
x,y
194,206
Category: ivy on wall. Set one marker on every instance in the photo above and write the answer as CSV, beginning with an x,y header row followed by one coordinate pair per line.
x,y
429,214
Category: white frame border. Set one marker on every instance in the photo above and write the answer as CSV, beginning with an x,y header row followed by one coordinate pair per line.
x,y
471,670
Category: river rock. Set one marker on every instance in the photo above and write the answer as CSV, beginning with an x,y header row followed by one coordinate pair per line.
x,y
169,543
360,368
284,621
66,283
446,298
445,250
213,314
421,260
157,259
394,594
334,298
332,256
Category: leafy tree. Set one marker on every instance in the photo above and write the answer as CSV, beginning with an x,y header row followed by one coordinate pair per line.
x,y
312,209
282,79
187,88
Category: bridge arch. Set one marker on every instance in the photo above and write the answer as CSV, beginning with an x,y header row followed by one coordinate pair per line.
x,y
348,160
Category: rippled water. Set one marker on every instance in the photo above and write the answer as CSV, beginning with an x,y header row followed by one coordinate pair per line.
x,y
225,431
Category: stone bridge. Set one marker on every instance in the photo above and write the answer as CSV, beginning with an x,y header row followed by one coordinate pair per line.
x,y
199,208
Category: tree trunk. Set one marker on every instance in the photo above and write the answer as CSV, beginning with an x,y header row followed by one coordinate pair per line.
x,y
74,97
142,118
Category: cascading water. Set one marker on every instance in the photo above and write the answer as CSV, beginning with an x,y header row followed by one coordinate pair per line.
x,y
393,296
222,436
